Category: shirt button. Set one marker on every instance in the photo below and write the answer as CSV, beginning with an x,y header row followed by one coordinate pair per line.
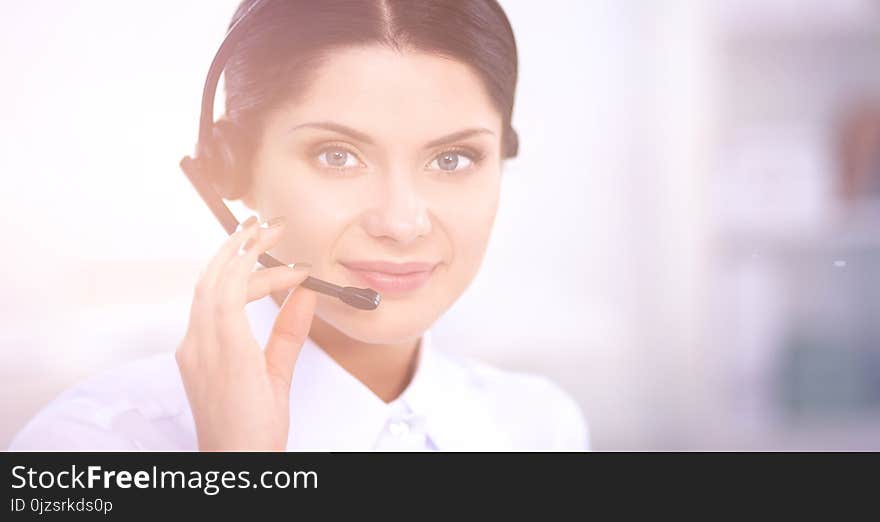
x,y
399,429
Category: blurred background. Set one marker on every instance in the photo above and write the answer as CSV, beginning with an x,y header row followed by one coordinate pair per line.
x,y
699,182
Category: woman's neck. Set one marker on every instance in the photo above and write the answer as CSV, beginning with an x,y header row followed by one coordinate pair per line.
x,y
386,369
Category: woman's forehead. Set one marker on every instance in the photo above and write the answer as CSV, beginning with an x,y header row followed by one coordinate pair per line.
x,y
398,94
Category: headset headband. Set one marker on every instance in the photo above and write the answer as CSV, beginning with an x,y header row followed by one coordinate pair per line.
x,y
194,167
230,41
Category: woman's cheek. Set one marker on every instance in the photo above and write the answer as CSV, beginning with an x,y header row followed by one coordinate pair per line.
x,y
471,227
312,225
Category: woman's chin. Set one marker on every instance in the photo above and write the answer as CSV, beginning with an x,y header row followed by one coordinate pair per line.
x,y
392,322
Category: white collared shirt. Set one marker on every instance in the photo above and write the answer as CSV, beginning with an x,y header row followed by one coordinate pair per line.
x,y
451,404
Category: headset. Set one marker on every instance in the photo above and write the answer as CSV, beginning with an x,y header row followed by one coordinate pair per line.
x,y
215,157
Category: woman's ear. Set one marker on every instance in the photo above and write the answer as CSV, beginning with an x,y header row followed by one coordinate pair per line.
x,y
511,143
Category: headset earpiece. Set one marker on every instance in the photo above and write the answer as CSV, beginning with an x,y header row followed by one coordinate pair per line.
x,y
223,159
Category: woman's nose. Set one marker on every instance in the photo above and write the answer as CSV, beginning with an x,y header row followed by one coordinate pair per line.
x,y
401,214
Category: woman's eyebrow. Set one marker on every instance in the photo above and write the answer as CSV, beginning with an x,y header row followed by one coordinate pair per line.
x,y
336,127
455,136
365,138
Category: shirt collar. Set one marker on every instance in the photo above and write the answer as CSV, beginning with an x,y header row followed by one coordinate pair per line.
x,y
331,410
454,402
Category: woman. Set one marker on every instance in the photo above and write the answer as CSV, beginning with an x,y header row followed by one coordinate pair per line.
x,y
370,138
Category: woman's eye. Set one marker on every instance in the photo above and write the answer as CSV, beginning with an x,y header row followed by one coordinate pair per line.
x,y
451,161
337,158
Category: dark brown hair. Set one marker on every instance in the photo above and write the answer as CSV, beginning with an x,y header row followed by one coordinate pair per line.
x,y
286,41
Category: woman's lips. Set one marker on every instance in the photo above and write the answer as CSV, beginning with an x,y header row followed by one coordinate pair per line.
x,y
391,279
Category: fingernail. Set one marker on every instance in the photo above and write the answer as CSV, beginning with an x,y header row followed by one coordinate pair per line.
x,y
247,246
299,266
246,223
272,223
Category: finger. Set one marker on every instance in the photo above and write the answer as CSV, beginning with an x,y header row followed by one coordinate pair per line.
x,y
289,333
227,250
232,323
202,312
264,282
269,235
202,309
232,283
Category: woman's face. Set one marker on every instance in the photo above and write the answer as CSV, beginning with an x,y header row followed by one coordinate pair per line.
x,y
389,158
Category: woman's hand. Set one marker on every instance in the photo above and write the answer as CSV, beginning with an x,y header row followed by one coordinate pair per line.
x,y
238,393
